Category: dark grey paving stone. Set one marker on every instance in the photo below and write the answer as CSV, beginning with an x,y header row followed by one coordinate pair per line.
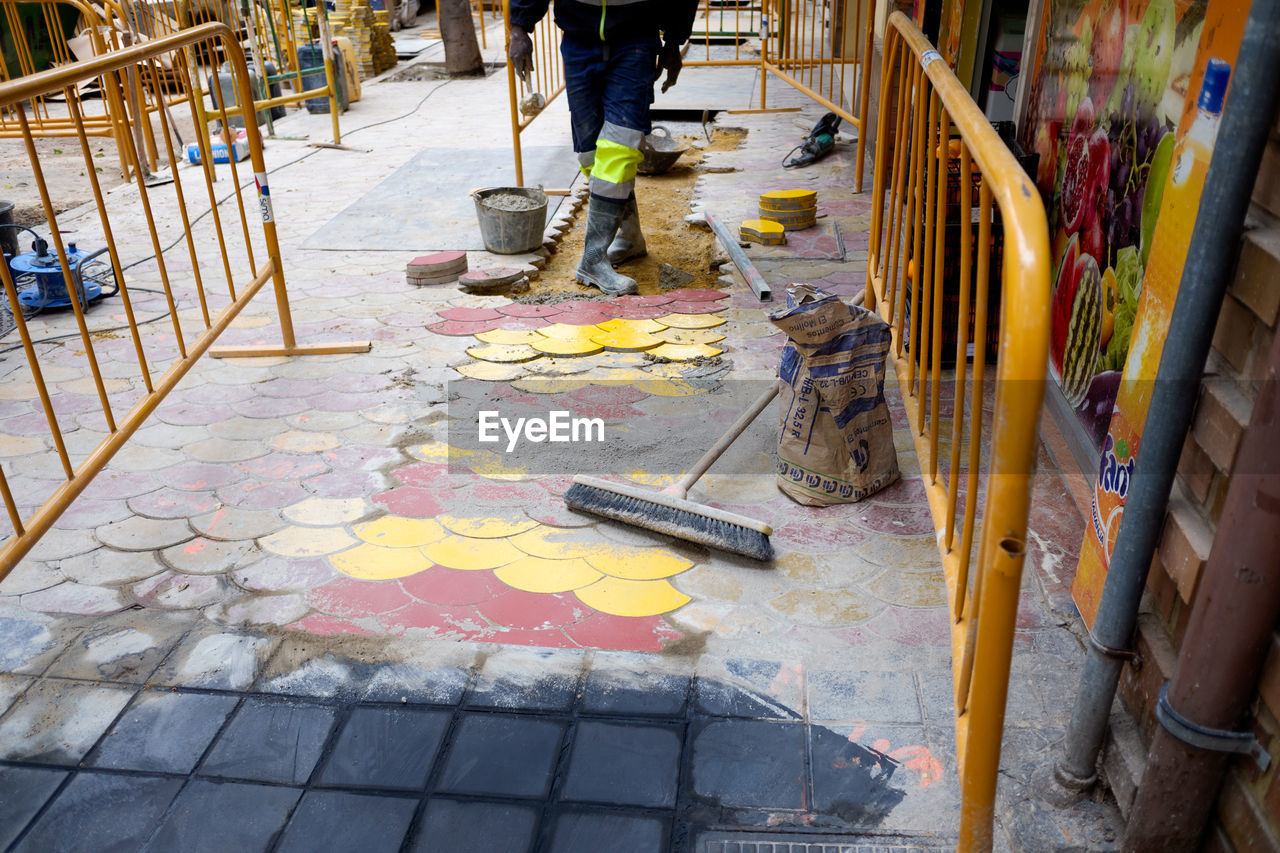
x,y
857,781
885,697
29,646
439,686
127,647
502,755
749,689
23,790
164,732
102,811
271,741
578,831
448,825
58,722
386,748
750,764
334,820
527,678
624,764
624,683
224,817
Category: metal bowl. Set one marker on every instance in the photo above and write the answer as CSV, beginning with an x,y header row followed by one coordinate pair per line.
x,y
660,152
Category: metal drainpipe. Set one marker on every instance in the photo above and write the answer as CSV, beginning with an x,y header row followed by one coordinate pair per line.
x,y
1242,135
1222,654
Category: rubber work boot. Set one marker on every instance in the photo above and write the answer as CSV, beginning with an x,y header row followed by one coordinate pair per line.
x,y
603,217
629,243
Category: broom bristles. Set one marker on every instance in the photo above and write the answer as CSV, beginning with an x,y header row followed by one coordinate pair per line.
x,y
687,524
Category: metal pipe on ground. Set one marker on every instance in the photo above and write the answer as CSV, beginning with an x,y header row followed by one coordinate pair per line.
x,y
1246,120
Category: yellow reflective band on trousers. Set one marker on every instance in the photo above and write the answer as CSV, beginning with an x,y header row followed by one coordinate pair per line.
x,y
615,163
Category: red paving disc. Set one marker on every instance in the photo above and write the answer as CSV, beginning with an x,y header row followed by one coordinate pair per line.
x,y
639,312
648,299
699,294
438,263
470,315
703,307
582,317
516,309
463,327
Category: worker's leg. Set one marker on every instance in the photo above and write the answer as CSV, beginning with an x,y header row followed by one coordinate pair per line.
x,y
628,94
609,94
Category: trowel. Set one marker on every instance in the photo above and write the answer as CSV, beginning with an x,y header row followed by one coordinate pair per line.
x,y
533,103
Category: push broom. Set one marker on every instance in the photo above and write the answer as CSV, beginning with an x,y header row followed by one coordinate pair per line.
x,y
670,511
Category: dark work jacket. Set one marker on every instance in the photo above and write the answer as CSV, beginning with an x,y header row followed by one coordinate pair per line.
x,y
613,21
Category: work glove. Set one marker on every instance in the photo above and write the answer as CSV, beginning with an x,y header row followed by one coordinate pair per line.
x,y
670,61
521,51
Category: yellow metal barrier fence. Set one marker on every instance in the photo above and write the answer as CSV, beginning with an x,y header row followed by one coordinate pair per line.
x,y
546,80
110,25
924,261
214,248
821,47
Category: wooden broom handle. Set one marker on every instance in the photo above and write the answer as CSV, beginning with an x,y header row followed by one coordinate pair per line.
x,y
681,488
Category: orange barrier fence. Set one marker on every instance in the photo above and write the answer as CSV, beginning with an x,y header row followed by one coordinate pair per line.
x,y
220,254
946,294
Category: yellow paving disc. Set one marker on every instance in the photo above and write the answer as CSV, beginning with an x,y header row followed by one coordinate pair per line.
x,y
567,347
375,563
638,564
564,366
634,326
536,574
392,531
789,200
632,598
504,352
557,543
656,371
307,541
624,341
685,352
691,321
607,360
568,332
461,552
686,337
491,372
508,337
486,528
548,385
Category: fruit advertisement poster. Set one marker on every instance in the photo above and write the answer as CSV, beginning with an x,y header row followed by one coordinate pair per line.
x,y
1112,98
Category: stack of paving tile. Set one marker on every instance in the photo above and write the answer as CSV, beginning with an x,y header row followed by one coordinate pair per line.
x,y
440,268
762,231
384,47
792,209
356,19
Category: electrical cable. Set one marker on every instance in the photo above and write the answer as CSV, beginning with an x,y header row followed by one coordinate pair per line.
x,y
227,197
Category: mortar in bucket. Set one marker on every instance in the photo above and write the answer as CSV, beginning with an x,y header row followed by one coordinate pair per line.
x,y
512,219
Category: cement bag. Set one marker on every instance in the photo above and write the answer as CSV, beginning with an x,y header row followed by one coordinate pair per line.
x,y
835,440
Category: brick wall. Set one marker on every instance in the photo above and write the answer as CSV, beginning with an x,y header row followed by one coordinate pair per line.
x,y
1248,809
